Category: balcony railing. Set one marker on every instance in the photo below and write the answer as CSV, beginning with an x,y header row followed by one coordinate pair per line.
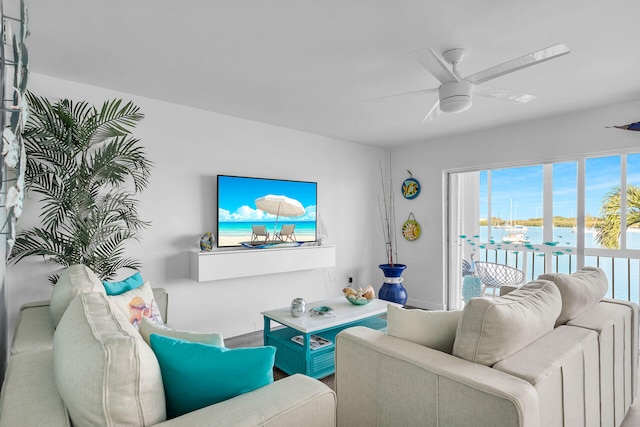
x,y
621,267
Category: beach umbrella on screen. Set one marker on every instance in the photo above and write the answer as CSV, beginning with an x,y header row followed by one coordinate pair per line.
x,y
279,206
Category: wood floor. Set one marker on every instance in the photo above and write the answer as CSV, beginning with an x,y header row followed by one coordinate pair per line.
x,y
255,339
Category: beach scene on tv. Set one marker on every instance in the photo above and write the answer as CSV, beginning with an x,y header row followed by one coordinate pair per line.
x,y
259,211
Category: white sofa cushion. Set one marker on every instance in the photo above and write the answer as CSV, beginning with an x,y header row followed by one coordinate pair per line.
x,y
104,371
433,329
147,327
73,281
580,291
491,329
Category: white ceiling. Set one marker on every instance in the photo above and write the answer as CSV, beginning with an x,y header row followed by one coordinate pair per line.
x,y
308,65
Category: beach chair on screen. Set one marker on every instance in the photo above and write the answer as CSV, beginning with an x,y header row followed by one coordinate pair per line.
x,y
286,233
259,232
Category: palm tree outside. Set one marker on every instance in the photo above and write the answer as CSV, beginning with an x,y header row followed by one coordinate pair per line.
x,y
608,235
87,168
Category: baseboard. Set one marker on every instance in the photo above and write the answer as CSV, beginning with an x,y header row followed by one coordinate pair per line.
x,y
426,305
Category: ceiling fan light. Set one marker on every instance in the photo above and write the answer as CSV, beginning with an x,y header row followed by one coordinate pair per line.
x,y
455,97
455,104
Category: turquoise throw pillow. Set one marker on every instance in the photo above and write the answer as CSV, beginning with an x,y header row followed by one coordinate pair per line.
x,y
197,375
116,288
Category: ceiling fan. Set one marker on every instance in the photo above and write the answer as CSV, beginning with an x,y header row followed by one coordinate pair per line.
x,y
455,92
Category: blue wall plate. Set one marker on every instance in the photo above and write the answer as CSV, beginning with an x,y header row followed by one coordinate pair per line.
x,y
410,188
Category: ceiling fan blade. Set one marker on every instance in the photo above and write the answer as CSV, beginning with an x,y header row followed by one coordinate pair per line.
x,y
436,66
507,95
519,63
434,113
412,93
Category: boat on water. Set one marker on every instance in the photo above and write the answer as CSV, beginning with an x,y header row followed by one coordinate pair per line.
x,y
516,234
515,228
515,238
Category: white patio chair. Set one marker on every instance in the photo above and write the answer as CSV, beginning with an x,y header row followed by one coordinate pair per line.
x,y
495,276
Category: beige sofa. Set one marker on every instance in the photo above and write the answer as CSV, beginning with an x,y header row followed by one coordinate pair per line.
x,y
552,353
95,369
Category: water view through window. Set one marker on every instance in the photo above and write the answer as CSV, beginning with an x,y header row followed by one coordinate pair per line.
x,y
556,218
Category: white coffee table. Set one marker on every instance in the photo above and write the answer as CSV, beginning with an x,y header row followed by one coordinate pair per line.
x,y
292,357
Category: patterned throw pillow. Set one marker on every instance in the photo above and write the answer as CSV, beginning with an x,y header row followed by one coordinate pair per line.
x,y
136,304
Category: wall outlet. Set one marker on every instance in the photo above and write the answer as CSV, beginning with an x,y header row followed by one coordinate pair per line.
x,y
350,280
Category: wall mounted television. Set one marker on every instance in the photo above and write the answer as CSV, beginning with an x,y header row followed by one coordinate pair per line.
x,y
238,212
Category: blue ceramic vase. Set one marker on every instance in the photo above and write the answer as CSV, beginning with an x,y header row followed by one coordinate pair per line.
x,y
392,289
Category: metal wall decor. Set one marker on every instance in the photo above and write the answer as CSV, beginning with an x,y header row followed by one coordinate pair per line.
x,y
410,187
631,126
14,69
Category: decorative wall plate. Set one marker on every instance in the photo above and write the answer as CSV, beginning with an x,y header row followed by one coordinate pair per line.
x,y
411,228
410,188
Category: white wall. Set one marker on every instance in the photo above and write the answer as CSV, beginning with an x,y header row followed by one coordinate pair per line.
x,y
555,138
189,148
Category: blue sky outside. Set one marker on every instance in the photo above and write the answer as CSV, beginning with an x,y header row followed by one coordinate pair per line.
x,y
517,192
237,195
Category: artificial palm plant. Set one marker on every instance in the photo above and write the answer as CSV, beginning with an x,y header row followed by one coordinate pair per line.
x,y
87,168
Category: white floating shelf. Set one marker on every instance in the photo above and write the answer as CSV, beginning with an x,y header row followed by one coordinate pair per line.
x,y
229,264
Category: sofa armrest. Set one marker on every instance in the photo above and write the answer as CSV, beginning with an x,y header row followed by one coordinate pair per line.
x,y
34,328
383,380
635,326
162,300
29,394
294,400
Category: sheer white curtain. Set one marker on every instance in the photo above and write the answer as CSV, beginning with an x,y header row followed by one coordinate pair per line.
x,y
463,219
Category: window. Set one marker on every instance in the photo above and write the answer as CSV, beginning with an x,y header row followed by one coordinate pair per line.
x,y
554,217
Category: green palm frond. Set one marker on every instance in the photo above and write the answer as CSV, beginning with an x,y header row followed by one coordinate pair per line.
x,y
114,121
120,159
608,236
82,161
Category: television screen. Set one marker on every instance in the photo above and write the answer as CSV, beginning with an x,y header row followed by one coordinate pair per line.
x,y
260,210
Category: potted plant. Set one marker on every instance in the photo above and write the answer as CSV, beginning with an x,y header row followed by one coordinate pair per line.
x,y
392,289
87,168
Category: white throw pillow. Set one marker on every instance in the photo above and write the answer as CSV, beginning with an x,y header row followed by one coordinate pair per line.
x,y
147,327
433,329
137,303
104,371
74,280
492,329
580,291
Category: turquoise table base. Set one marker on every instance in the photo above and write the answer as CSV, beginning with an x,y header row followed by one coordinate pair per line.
x,y
294,358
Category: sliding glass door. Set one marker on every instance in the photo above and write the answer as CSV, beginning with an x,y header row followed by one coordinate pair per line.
x,y
554,217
